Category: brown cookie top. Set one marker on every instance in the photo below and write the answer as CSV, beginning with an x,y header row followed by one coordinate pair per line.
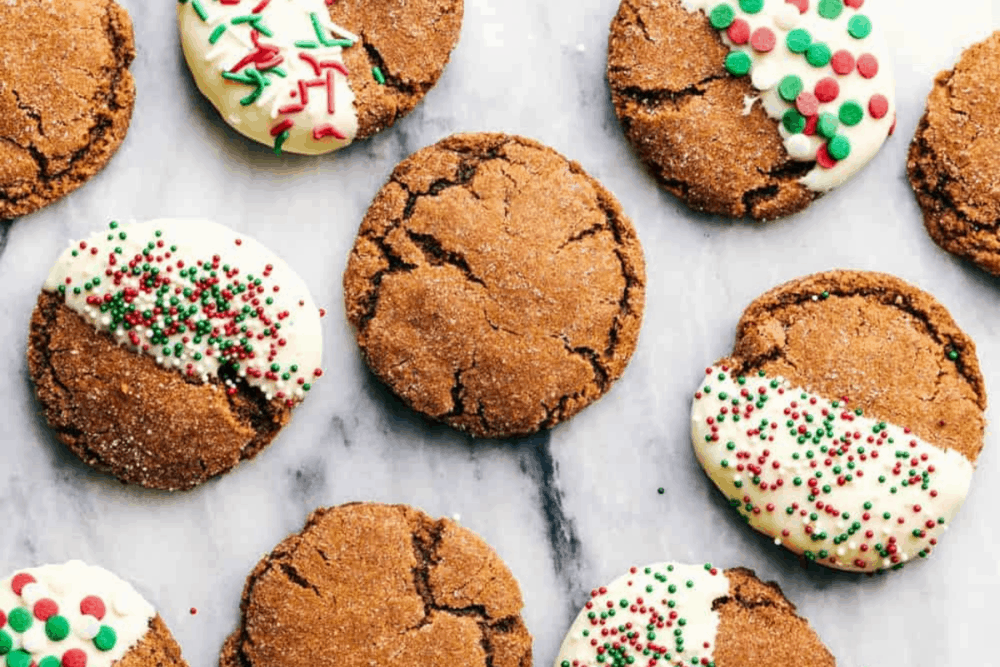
x,y
890,348
685,115
495,286
954,161
66,97
386,585
157,648
409,42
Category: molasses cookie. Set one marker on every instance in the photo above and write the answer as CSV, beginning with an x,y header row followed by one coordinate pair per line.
x,y
368,584
675,614
751,108
166,352
311,76
847,422
76,615
495,286
66,97
954,166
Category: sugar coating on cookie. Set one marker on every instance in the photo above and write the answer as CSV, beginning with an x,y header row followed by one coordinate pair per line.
x,y
658,614
824,480
198,298
274,69
823,71
69,615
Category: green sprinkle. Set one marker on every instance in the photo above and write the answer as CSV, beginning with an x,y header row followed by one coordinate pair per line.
x,y
202,14
19,619
306,44
798,40
793,121
751,6
57,628
738,63
859,27
818,55
6,642
830,9
953,354
839,147
790,87
377,73
827,126
851,113
18,658
217,33
721,17
106,638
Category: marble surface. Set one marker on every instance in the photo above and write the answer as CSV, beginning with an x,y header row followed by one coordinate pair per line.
x,y
570,509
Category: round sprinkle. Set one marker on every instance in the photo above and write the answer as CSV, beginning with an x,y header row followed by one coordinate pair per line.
x,y
45,608
842,62
763,39
49,661
799,147
839,147
18,658
6,643
751,6
19,581
19,619
790,87
739,32
801,5
830,9
827,89
738,63
851,113
867,65
859,27
824,159
93,606
765,76
721,16
3,618
793,121
818,55
878,106
787,17
106,638
811,123
854,4
57,628
74,658
807,104
798,40
827,125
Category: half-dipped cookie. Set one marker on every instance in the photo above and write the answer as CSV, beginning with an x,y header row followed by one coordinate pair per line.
x,y
166,352
847,421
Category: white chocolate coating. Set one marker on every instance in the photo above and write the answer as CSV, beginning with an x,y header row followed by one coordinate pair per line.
x,y
880,495
282,324
681,594
318,73
769,68
126,612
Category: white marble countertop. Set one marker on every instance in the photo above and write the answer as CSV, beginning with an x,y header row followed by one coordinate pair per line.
x,y
567,510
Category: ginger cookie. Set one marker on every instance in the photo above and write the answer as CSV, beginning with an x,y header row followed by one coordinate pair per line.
x,y
384,585
673,614
77,615
953,164
66,97
166,352
847,421
495,286
311,76
751,108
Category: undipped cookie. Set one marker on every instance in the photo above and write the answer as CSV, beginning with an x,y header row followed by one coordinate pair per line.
x,y
684,615
495,286
751,108
311,76
66,97
77,615
369,584
166,352
954,166
847,422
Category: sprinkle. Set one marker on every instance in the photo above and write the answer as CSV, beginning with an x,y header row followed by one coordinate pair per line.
x,y
842,62
739,32
751,6
818,54
859,26
793,121
827,89
199,10
217,33
763,40
851,113
738,63
790,87
867,65
721,16
798,40
878,106
807,104
827,125
377,73
830,9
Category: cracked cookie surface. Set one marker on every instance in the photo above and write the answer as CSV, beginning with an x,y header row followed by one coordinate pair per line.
x,y
954,161
686,118
66,97
122,413
495,286
877,340
370,584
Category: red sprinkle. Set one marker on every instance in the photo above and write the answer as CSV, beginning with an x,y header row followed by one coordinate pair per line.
x,y
74,658
827,89
45,608
807,104
810,128
842,62
856,4
93,606
803,5
878,106
739,31
194,610
867,65
824,160
763,39
21,580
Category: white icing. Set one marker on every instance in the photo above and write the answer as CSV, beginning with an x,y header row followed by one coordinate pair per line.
x,y
648,592
76,581
867,137
296,342
289,21
873,449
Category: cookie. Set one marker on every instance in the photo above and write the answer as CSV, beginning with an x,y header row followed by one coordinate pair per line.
x,y
673,614
751,108
495,286
953,164
311,76
380,585
77,615
66,97
847,422
166,352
